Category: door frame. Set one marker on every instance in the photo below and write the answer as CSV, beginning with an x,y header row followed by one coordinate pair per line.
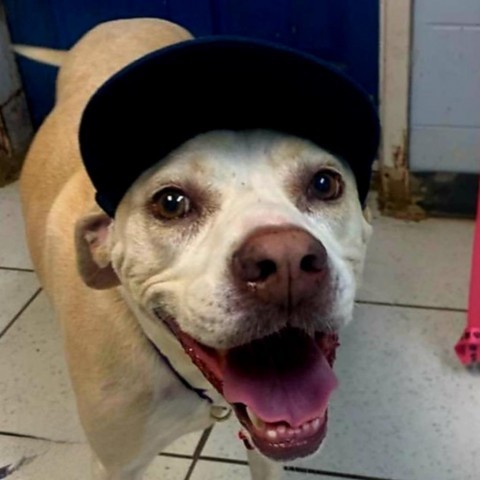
x,y
396,20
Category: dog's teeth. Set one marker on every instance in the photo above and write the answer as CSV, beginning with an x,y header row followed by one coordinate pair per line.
x,y
255,420
315,424
306,427
272,434
280,431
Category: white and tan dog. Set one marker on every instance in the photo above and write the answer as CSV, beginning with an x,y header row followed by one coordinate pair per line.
x,y
226,259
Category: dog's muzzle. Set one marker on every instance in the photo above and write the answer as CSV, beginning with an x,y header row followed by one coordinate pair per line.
x,y
279,383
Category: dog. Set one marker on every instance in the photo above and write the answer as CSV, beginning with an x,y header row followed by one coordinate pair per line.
x,y
219,285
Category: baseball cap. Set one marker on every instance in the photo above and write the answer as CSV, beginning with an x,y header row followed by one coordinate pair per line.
x,y
158,102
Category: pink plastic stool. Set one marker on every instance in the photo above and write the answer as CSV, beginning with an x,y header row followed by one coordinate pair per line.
x,y
468,347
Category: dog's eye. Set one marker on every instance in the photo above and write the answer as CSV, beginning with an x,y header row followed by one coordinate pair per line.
x,y
170,203
326,185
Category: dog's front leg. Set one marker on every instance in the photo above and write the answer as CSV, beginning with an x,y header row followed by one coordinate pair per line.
x,y
261,468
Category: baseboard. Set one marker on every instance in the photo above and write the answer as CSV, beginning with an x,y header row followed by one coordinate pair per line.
x,y
445,194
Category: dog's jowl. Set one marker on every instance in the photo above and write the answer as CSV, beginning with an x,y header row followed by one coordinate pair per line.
x,y
195,212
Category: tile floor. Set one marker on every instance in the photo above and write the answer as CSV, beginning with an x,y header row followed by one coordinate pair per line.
x,y
405,409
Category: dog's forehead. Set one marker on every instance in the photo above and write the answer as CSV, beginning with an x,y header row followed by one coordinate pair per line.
x,y
225,157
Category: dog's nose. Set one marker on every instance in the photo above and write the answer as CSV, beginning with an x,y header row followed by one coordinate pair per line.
x,y
281,266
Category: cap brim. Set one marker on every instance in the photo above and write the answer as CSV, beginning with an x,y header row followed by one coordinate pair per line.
x,y
160,101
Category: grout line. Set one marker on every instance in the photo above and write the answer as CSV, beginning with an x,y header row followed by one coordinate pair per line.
x,y
201,443
198,451
35,437
18,269
176,455
446,125
406,305
231,461
454,25
346,476
7,328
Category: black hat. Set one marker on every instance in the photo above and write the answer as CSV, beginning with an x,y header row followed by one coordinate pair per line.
x,y
169,96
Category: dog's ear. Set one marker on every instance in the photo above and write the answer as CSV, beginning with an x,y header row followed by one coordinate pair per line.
x,y
93,255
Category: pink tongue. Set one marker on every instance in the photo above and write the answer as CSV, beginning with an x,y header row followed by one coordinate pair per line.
x,y
284,377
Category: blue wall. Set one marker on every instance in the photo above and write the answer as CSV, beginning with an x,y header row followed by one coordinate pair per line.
x,y
345,32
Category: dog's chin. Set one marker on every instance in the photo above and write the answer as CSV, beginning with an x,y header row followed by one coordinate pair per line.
x,y
279,386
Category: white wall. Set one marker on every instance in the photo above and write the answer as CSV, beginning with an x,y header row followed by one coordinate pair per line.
x,y
445,89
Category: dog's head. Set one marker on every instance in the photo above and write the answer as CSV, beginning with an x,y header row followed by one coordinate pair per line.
x,y
249,247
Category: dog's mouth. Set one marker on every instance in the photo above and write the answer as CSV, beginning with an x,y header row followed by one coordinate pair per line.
x,y
279,386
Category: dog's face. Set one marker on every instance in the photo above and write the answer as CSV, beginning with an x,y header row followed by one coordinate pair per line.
x,y
249,247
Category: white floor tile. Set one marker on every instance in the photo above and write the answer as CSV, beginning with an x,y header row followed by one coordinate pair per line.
x,y
224,471
35,393
405,407
16,288
167,468
423,263
224,442
185,445
13,252
41,460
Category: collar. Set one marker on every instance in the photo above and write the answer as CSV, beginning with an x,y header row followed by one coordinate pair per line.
x,y
180,364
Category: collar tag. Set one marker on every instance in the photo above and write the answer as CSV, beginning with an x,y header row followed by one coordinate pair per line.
x,y
220,413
